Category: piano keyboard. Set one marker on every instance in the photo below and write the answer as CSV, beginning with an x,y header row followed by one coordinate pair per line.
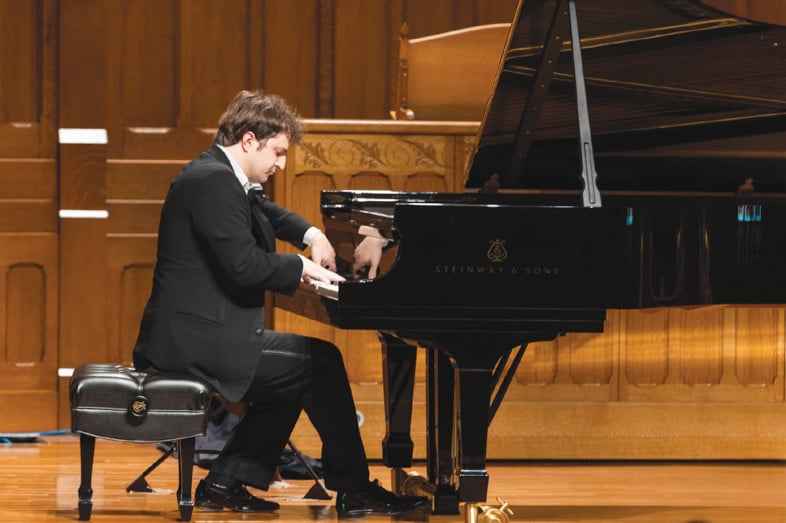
x,y
328,290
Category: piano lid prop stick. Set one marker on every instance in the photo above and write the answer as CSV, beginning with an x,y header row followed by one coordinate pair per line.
x,y
590,195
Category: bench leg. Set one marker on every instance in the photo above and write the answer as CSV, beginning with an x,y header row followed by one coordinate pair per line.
x,y
87,446
185,460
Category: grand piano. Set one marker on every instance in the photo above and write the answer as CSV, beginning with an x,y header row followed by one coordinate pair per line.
x,y
632,155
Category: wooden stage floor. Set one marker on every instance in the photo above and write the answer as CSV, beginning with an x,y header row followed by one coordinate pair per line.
x,y
40,480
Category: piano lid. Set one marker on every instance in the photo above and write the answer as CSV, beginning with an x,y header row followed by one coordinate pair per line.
x,y
680,97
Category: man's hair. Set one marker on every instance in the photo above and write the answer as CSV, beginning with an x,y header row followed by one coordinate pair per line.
x,y
265,115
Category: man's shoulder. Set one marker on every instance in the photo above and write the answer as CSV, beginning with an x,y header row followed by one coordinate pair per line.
x,y
211,159
206,165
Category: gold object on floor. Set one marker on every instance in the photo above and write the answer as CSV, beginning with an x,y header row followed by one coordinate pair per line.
x,y
479,513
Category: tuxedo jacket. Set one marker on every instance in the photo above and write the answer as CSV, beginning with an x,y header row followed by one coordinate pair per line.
x,y
205,315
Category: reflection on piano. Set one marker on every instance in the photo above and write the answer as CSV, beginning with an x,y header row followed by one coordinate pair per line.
x,y
645,167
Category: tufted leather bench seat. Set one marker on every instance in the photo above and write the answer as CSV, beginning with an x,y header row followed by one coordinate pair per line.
x,y
117,402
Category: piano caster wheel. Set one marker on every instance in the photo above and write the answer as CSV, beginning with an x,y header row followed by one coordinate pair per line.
x,y
477,513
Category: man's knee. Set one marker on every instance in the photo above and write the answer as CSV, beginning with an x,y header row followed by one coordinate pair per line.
x,y
326,352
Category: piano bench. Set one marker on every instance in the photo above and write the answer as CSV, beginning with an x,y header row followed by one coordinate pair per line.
x,y
117,402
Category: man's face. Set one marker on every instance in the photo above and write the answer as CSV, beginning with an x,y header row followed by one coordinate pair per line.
x,y
265,157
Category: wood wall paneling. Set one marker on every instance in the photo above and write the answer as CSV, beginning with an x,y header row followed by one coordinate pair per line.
x,y
29,268
141,62
29,410
82,97
28,75
135,193
29,329
431,87
20,61
141,68
578,367
768,11
29,310
730,354
28,195
82,64
20,139
131,261
191,77
439,16
140,180
83,292
359,71
212,70
83,261
291,53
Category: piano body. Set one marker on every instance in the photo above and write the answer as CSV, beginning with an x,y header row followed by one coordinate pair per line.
x,y
633,172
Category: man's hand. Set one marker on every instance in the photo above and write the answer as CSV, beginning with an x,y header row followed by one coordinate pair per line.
x,y
322,252
368,254
315,272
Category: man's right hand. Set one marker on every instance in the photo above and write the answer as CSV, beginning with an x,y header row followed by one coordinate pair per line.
x,y
313,271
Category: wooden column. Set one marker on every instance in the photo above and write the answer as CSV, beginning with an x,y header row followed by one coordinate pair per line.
x,y
82,153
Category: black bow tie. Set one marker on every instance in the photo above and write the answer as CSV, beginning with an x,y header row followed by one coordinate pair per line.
x,y
261,227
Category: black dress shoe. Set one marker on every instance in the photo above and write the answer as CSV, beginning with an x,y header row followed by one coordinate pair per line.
x,y
377,501
210,496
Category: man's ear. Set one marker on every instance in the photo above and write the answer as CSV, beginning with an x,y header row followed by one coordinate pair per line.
x,y
248,141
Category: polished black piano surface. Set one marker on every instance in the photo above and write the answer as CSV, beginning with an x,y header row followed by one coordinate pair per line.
x,y
644,168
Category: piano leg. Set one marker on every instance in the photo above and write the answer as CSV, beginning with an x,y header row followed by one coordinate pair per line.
x,y
398,371
458,402
473,414
440,414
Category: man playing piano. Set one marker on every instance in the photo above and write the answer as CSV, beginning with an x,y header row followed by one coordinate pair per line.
x,y
205,316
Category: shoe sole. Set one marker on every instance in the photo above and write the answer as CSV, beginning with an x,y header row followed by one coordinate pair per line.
x,y
214,507
220,508
353,514
209,506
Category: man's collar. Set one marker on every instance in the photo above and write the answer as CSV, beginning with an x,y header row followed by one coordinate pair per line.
x,y
241,176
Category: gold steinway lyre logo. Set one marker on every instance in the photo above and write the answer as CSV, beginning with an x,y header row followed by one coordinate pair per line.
x,y
497,252
139,406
